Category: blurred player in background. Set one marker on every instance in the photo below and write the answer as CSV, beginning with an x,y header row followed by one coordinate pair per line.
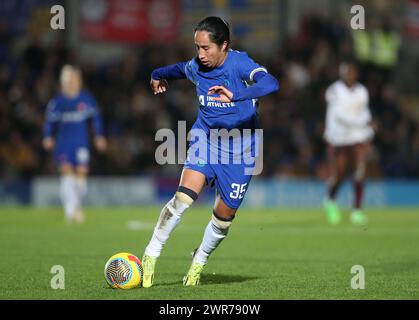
x,y
227,100
348,133
66,132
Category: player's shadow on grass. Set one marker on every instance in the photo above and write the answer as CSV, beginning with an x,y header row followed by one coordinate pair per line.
x,y
224,278
207,279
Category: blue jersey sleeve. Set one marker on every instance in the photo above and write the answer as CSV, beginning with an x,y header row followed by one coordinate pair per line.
x,y
191,69
173,71
96,117
52,116
248,68
252,72
264,84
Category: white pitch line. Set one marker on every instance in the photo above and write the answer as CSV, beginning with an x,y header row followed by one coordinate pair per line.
x,y
139,225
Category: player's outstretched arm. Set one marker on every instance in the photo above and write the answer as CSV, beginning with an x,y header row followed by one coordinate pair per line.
x,y
97,122
159,77
264,84
51,119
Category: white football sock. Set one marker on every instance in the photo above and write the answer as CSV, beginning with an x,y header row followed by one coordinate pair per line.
x,y
215,232
69,197
81,183
169,218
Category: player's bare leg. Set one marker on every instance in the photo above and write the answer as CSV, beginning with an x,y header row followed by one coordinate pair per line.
x,y
337,165
215,232
68,191
360,157
81,183
190,185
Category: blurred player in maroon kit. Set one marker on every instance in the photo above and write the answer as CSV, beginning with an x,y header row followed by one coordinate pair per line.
x,y
348,133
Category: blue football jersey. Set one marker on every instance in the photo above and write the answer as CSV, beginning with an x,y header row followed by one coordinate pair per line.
x,y
235,73
68,120
225,157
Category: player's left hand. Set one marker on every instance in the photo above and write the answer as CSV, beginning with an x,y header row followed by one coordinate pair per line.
x,y
225,94
159,86
101,144
374,125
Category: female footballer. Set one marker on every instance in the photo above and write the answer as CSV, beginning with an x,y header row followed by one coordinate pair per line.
x,y
228,84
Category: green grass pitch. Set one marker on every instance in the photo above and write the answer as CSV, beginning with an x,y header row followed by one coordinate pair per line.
x,y
268,254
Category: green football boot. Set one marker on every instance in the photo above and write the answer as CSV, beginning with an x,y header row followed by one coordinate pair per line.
x,y
358,217
148,267
332,211
194,273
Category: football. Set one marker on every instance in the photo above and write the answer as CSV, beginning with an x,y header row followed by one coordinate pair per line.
x,y
123,271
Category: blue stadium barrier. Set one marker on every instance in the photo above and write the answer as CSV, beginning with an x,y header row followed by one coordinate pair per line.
x,y
261,193
307,193
14,191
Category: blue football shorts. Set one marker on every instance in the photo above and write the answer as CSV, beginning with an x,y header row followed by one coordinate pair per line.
x,y
230,179
75,156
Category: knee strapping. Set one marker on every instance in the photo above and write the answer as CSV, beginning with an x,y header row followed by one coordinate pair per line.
x,y
182,200
189,193
221,223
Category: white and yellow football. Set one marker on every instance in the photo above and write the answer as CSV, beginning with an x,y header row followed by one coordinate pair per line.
x,y
124,271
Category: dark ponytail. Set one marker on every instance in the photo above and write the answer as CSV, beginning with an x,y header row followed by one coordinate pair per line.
x,y
218,29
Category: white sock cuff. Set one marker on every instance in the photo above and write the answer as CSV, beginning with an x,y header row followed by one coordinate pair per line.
x,y
179,203
184,198
221,224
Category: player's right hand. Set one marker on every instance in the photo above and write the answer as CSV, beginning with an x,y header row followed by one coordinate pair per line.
x,y
48,143
159,86
101,144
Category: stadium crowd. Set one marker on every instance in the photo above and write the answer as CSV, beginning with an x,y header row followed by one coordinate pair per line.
x,y
292,119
